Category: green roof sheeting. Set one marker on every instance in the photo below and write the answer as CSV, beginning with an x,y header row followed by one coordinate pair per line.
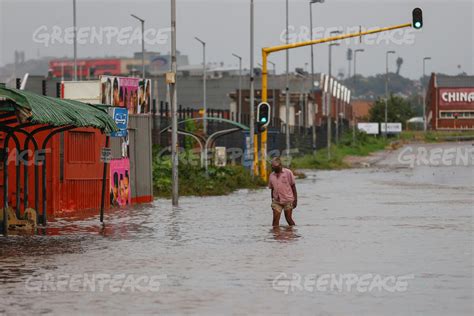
x,y
59,112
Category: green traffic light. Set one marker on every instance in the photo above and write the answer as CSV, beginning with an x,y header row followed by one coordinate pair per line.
x,y
264,119
417,25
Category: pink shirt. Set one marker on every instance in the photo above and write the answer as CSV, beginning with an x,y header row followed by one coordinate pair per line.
x,y
281,185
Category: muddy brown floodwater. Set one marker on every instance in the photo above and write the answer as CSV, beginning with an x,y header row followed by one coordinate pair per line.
x,y
409,227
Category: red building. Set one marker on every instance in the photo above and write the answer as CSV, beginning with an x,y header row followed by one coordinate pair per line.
x,y
86,68
450,102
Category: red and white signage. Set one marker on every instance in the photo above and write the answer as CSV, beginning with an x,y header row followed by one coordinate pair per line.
x,y
456,96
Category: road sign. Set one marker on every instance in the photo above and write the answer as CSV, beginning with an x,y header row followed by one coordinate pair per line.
x,y
369,128
392,128
120,116
106,155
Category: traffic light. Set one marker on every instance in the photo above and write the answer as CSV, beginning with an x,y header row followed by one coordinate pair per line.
x,y
417,18
263,116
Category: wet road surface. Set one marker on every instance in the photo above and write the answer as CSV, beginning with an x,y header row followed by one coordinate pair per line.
x,y
219,255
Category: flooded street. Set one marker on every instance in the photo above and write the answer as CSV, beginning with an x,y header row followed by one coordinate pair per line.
x,y
219,255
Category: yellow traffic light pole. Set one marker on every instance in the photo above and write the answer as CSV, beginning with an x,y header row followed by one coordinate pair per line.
x,y
260,160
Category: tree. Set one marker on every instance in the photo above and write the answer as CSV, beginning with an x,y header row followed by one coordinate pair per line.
x,y
399,110
399,64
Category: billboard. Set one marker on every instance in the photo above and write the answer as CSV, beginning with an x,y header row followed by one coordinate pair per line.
x,y
393,128
134,94
120,191
369,128
83,91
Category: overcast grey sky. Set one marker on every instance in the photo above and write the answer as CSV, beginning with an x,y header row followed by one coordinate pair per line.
x,y
447,35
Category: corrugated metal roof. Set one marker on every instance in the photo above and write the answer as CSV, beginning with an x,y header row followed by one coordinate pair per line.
x,y
58,112
445,81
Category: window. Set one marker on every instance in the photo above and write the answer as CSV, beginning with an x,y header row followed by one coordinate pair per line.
x,y
461,114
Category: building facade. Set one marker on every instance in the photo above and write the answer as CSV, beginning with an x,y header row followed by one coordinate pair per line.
x,y
450,103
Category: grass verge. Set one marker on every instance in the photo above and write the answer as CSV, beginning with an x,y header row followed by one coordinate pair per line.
x,y
193,180
364,145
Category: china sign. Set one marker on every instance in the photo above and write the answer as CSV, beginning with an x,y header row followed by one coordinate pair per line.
x,y
456,96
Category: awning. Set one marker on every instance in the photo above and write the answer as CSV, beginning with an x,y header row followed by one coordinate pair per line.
x,y
38,109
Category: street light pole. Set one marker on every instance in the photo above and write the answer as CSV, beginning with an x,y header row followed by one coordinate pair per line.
x,y
287,101
273,91
329,119
386,90
174,106
312,66
142,21
424,94
251,150
204,92
239,116
360,50
75,38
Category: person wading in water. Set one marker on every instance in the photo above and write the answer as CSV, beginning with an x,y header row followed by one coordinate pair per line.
x,y
284,195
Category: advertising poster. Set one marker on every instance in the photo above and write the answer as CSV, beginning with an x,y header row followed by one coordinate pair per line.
x,y
134,94
120,191
144,96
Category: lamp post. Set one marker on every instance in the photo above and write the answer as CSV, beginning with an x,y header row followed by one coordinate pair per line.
x,y
312,65
424,94
174,106
287,95
204,96
143,46
273,91
239,116
252,93
329,130
386,90
360,50
75,37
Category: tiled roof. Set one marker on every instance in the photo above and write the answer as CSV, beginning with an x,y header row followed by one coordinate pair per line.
x,y
444,81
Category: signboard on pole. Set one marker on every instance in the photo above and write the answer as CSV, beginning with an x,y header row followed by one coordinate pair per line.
x,y
392,128
106,155
369,128
120,116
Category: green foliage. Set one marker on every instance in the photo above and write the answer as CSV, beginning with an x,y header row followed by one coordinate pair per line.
x,y
398,110
193,179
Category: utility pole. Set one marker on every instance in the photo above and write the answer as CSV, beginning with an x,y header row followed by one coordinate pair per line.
x,y
329,120
142,21
174,106
424,94
355,88
239,116
252,93
287,101
312,67
75,37
274,90
386,90
204,90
